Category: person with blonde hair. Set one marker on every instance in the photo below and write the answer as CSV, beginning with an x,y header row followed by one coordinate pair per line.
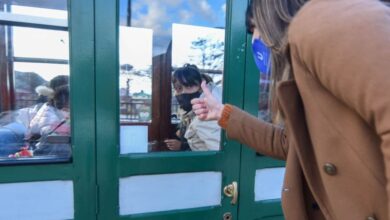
x,y
330,71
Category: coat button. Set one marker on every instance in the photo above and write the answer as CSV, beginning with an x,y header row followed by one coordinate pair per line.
x,y
330,169
371,218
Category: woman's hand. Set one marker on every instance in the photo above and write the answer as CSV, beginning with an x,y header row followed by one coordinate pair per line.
x,y
208,107
173,144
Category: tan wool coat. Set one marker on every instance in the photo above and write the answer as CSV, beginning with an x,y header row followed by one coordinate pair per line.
x,y
336,140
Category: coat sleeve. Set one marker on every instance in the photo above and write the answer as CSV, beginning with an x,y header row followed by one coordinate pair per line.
x,y
346,47
263,137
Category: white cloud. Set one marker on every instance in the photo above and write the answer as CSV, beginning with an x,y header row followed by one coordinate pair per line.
x,y
156,14
204,5
204,9
223,8
136,5
185,16
173,2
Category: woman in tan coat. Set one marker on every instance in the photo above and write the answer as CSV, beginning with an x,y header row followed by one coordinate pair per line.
x,y
332,65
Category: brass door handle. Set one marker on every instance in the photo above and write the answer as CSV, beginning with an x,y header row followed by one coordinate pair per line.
x,y
231,191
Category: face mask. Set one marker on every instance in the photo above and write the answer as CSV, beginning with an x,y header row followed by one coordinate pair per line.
x,y
261,55
184,100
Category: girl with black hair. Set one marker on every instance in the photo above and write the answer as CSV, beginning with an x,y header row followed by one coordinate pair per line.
x,y
192,133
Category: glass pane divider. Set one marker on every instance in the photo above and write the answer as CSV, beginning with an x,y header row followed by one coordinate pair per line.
x,y
7,18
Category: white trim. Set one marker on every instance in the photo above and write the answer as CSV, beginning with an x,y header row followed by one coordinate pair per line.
x,y
6,17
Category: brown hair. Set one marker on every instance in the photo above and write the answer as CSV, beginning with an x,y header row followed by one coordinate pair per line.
x,y
272,18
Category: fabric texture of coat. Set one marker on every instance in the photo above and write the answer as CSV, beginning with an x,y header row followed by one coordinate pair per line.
x,y
336,140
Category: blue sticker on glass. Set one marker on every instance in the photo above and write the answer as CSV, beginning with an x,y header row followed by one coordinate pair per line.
x,y
261,55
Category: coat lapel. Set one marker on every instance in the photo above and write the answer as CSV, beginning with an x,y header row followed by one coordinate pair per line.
x,y
299,139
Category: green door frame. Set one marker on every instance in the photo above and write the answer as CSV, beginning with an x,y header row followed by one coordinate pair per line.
x,y
81,170
250,160
82,66
111,166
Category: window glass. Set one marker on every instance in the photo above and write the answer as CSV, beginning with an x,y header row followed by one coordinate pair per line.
x,y
57,12
156,39
39,8
264,112
135,74
28,42
34,83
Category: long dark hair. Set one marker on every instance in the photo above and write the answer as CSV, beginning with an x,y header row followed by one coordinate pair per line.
x,y
272,18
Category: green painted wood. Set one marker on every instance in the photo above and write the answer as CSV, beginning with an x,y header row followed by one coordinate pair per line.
x,y
111,166
81,169
107,112
270,208
81,28
234,86
27,173
250,161
189,162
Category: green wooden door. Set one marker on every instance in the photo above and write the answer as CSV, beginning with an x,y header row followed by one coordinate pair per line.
x,y
46,39
122,175
261,177
134,181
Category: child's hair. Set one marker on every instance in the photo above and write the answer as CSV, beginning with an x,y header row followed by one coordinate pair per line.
x,y
61,97
206,78
189,75
56,93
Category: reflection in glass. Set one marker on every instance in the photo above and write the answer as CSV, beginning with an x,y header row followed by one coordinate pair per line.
x,y
264,112
192,133
28,76
175,33
56,42
135,74
205,50
34,84
43,9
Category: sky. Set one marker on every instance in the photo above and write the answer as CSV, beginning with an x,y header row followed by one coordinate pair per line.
x,y
159,15
149,13
171,19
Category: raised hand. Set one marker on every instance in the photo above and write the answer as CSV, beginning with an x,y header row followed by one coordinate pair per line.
x,y
208,107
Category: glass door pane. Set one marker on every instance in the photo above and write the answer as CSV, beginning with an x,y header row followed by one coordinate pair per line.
x,y
154,44
35,105
47,105
140,51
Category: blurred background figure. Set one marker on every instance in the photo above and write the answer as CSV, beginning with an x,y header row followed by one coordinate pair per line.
x,y
29,126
